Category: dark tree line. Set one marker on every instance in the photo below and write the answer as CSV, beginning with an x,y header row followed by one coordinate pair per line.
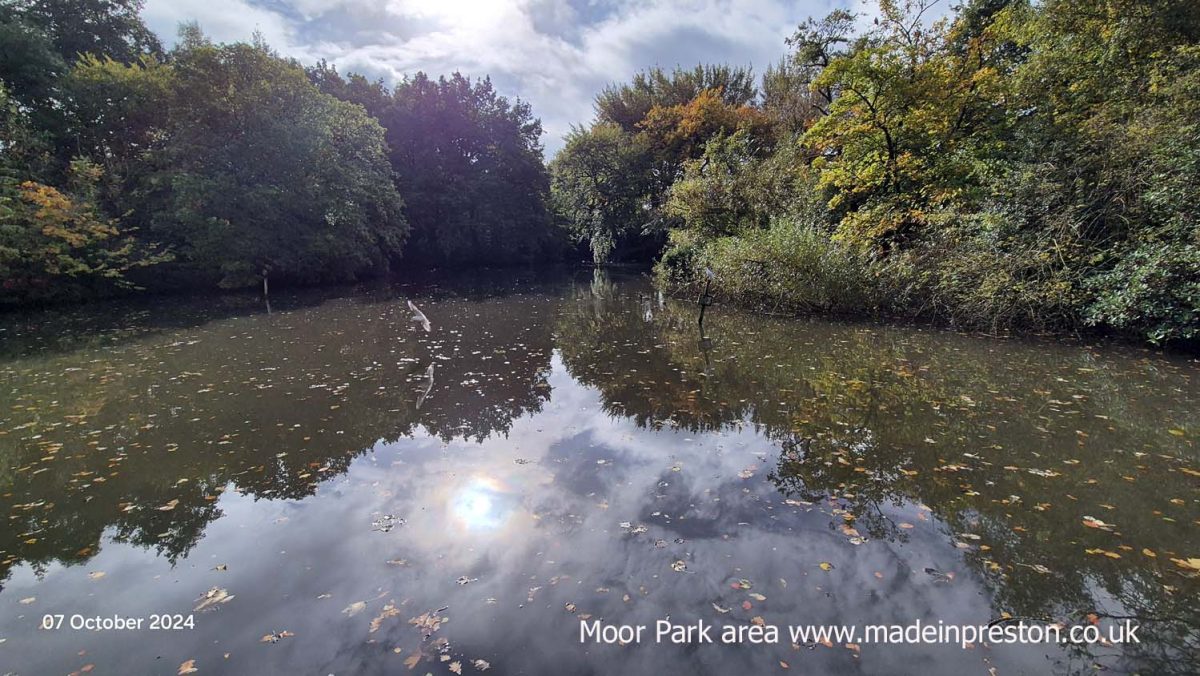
x,y
128,166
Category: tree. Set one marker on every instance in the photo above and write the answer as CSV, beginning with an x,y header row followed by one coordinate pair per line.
x,y
469,164
56,245
111,28
599,184
261,171
30,65
628,104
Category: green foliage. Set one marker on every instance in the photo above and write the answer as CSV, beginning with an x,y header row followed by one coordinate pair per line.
x,y
1154,290
29,63
628,104
599,180
791,266
55,245
735,187
259,170
612,180
469,163
1014,165
243,163
105,28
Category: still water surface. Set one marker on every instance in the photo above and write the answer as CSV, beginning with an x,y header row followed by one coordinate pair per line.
x,y
370,497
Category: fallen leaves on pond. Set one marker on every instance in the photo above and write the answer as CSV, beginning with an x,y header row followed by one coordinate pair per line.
x,y
276,636
1093,522
188,667
169,506
212,598
429,622
354,608
389,610
825,565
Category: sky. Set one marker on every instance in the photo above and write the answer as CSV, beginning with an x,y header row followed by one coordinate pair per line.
x,y
555,54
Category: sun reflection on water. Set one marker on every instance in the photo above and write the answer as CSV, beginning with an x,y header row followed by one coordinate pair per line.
x,y
483,504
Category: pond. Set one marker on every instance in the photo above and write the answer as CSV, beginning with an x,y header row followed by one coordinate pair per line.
x,y
326,487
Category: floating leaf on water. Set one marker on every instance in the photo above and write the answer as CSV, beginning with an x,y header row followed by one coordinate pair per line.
x,y
757,597
169,506
27,601
1187,564
825,565
96,575
354,608
429,622
188,667
939,575
1103,552
211,599
570,607
679,566
481,665
464,580
389,610
412,660
275,637
456,667
719,608
1093,522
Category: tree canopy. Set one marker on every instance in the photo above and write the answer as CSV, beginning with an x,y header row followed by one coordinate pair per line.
x,y
218,164
1010,165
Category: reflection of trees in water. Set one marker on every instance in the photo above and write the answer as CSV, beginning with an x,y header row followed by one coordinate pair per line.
x,y
999,440
269,406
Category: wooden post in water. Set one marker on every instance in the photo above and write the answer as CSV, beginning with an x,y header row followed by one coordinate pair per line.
x,y
706,298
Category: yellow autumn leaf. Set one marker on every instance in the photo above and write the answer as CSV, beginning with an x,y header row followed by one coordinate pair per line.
x,y
1189,564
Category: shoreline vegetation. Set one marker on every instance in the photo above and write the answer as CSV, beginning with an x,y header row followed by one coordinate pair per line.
x,y
1002,166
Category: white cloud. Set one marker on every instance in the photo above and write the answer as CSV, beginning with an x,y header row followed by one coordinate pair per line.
x,y
222,20
552,53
